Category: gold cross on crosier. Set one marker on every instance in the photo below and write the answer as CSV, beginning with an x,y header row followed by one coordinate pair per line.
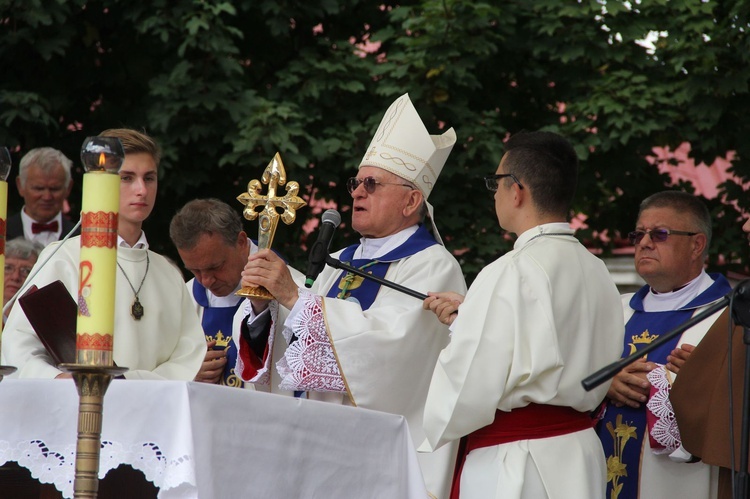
x,y
265,208
274,176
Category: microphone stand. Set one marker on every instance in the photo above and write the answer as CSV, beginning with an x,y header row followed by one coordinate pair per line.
x,y
337,264
739,299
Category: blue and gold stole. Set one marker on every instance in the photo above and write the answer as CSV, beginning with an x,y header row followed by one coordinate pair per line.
x,y
217,325
364,291
623,430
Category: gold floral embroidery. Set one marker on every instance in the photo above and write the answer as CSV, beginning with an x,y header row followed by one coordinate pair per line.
x,y
616,469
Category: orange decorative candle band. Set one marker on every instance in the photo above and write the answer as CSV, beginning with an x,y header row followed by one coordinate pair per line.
x,y
99,229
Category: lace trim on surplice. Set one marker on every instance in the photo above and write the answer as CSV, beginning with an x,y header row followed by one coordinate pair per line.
x,y
309,363
663,430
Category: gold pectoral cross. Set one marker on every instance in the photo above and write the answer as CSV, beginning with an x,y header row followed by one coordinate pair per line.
x,y
265,208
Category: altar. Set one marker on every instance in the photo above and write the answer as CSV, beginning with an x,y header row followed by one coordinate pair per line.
x,y
194,440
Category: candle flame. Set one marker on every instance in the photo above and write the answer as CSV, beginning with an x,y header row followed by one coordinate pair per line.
x,y
102,159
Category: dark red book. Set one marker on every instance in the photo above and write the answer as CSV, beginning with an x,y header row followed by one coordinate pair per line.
x,y
53,313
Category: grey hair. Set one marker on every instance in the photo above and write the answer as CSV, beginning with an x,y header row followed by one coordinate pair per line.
x,y
687,204
23,249
46,159
204,216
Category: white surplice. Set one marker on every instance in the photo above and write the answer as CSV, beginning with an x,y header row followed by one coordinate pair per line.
x,y
534,324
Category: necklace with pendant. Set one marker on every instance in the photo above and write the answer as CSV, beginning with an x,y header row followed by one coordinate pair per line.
x,y
136,310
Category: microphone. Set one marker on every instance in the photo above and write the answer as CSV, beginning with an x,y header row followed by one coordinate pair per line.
x,y
316,260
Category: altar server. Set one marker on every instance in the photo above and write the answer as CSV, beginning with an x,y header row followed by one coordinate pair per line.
x,y
534,323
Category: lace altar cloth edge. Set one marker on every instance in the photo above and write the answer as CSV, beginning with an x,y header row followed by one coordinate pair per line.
x,y
44,442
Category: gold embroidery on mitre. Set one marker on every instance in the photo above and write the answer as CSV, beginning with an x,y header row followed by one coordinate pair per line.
x,y
644,338
370,153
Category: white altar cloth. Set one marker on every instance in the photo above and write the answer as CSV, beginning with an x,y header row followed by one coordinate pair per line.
x,y
194,440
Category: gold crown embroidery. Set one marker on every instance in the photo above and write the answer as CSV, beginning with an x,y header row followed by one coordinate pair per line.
x,y
641,339
644,338
221,340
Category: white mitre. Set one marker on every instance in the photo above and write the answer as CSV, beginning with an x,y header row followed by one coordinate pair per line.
x,y
403,146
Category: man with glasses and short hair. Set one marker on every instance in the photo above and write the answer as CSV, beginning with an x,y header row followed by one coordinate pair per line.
x,y
534,323
638,432
353,341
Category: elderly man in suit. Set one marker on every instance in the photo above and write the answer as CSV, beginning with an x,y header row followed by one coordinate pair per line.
x,y
44,183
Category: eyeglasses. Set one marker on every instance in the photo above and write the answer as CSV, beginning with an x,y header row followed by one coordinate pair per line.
x,y
491,181
24,271
370,184
656,235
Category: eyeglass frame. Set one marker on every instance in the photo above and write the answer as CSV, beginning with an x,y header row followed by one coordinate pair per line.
x,y
661,238
353,183
496,178
9,269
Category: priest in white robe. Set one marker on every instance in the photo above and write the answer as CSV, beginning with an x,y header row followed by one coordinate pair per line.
x,y
161,339
351,340
534,323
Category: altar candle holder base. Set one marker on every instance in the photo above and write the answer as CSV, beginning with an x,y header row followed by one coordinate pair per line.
x,y
258,292
92,382
6,370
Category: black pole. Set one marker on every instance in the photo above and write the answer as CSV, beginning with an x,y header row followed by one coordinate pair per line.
x,y
608,372
343,266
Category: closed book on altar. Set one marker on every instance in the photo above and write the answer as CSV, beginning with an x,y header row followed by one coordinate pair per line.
x,y
53,313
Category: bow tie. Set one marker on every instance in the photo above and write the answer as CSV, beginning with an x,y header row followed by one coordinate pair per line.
x,y
36,228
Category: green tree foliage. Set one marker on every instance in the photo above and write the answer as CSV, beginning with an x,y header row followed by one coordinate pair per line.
x,y
224,85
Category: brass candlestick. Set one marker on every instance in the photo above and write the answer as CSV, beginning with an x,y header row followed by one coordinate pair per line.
x,y
274,175
92,382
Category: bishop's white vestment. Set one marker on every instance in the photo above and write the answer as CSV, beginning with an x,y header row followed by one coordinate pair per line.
x,y
534,324
375,349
